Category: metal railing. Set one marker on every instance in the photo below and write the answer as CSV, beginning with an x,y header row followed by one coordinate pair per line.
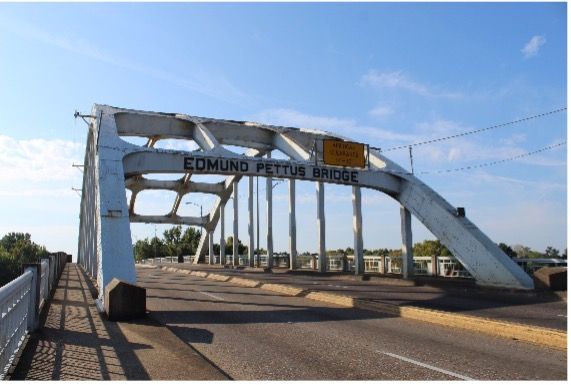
x,y
15,298
44,282
21,301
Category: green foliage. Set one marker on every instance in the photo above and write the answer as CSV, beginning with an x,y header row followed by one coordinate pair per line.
x,y
551,252
507,250
429,248
15,250
175,242
242,249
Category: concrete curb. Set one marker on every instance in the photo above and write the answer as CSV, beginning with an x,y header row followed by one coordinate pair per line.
x,y
551,338
336,299
537,335
198,273
218,277
283,289
244,282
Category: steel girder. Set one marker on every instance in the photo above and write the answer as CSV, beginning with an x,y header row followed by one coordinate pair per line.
x,y
112,164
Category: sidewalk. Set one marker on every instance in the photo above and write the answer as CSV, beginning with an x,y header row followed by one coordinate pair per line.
x,y
77,343
544,310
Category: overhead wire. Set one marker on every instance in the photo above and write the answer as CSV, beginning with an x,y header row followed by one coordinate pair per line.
x,y
466,133
493,163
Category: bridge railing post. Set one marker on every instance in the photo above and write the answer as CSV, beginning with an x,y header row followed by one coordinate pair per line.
x,y
33,320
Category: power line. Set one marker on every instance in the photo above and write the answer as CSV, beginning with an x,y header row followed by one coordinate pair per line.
x,y
496,161
472,132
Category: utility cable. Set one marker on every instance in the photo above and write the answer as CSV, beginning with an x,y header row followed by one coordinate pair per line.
x,y
553,146
471,132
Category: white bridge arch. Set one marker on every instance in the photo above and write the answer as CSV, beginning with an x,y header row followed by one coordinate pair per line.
x,y
113,164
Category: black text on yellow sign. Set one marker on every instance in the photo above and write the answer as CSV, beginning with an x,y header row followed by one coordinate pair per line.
x,y
339,153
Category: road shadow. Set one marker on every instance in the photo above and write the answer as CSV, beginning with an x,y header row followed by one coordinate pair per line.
x,y
75,342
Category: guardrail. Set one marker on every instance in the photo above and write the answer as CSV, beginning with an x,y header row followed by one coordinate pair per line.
x,y
21,303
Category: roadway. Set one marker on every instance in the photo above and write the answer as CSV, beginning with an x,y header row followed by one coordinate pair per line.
x,y
539,309
252,334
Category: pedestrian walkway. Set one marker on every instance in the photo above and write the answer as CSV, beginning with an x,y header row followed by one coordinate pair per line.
x,y
78,343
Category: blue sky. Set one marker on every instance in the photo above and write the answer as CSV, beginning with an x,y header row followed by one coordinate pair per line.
x,y
385,74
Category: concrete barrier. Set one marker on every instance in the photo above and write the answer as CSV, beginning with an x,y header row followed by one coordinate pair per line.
x,y
336,299
283,289
218,277
244,282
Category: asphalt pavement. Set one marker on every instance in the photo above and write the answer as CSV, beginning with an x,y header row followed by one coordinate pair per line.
x,y
540,309
253,334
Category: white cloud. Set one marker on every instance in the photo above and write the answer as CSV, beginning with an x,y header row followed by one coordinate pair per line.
x,y
381,111
339,126
38,159
532,46
288,117
399,80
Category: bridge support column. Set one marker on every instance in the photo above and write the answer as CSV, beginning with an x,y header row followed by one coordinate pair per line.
x,y
222,240
235,256
211,247
292,227
321,227
270,236
251,221
358,231
406,233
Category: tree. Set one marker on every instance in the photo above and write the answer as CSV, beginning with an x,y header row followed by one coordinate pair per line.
x,y
507,250
190,240
242,249
429,248
143,249
173,240
521,250
15,250
551,252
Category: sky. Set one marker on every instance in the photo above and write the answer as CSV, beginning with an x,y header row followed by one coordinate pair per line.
x,y
384,74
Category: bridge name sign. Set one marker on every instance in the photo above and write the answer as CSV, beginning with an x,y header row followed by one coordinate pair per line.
x,y
269,168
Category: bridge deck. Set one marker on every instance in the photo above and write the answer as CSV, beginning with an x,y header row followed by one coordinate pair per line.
x,y
538,309
77,343
257,334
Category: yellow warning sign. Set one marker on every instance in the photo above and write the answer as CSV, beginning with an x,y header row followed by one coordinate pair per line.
x,y
339,153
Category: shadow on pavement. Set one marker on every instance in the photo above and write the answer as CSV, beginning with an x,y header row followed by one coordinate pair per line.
x,y
75,342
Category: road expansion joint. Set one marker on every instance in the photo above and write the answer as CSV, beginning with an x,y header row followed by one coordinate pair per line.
x,y
551,338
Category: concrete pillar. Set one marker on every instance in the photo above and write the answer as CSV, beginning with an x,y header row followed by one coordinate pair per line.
x,y
383,264
222,240
251,221
292,227
358,231
434,263
321,227
270,238
235,257
406,234
211,247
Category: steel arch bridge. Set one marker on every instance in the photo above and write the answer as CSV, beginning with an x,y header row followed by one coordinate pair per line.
x,y
113,164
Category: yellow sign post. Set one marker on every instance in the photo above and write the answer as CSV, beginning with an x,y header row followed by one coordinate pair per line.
x,y
340,153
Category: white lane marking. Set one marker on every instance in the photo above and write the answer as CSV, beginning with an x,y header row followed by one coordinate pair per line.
x,y
428,366
212,296
561,315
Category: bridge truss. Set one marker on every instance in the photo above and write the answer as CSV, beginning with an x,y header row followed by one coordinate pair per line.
x,y
113,164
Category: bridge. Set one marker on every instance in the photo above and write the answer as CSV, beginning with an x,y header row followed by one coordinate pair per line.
x,y
113,164
226,321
